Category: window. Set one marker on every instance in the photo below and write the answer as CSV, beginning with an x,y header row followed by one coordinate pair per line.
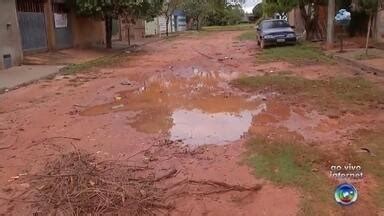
x,y
274,24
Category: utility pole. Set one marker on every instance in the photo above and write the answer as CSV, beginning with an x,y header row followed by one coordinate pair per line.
x,y
330,21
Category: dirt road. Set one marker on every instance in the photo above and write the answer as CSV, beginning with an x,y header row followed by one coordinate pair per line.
x,y
178,91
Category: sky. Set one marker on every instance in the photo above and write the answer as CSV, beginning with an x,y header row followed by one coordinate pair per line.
x,y
249,4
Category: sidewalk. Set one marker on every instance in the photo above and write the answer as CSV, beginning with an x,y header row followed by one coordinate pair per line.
x,y
65,57
39,65
19,75
373,63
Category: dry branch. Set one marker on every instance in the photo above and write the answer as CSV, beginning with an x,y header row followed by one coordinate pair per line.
x,y
77,184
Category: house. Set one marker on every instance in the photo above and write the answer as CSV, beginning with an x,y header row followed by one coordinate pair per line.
x,y
180,21
134,27
29,26
177,23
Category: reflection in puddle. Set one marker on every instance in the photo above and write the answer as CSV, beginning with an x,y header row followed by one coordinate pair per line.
x,y
202,109
195,127
198,110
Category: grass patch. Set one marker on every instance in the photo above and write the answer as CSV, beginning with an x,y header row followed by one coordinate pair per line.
x,y
99,62
300,53
372,164
291,164
356,90
240,27
248,35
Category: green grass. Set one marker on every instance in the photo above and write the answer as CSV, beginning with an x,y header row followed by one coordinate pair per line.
x,y
356,90
372,164
240,27
86,66
300,53
248,35
291,164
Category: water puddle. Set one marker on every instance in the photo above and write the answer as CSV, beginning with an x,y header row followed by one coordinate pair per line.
x,y
197,110
201,110
195,127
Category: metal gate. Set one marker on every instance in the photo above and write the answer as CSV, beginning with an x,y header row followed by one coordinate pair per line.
x,y
32,25
63,30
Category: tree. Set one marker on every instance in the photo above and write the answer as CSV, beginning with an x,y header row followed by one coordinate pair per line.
x,y
330,21
257,11
220,12
281,7
309,10
196,10
108,10
169,7
147,10
233,14
370,7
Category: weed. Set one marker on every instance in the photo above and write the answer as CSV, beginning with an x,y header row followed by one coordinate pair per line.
x,y
240,27
289,163
99,62
356,90
248,35
300,53
372,163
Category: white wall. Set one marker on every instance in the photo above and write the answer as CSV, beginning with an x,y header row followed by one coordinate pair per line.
x,y
162,24
158,25
151,28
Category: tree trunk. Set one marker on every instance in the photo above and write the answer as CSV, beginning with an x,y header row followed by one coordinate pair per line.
x,y
342,40
108,32
129,33
316,27
330,26
197,23
368,33
166,25
306,17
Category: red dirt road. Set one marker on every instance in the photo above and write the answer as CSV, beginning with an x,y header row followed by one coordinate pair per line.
x,y
177,90
119,110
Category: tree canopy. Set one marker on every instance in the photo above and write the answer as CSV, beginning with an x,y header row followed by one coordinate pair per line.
x,y
257,11
220,12
195,9
282,7
369,6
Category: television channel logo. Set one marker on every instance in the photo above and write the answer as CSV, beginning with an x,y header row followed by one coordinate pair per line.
x,y
346,194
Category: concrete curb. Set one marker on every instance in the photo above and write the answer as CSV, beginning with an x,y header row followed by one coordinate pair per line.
x,y
356,65
47,77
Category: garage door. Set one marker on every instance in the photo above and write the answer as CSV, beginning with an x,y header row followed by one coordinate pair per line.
x,y
32,25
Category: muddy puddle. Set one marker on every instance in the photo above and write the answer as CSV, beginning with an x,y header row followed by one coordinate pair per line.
x,y
195,127
201,110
